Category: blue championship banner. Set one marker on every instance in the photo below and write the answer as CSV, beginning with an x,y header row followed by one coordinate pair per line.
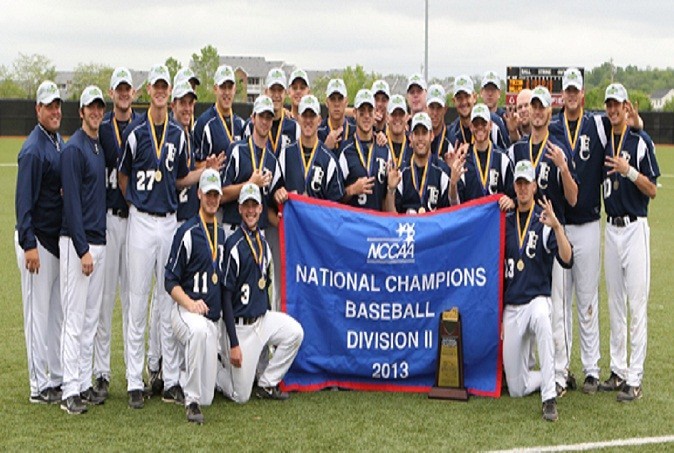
x,y
369,289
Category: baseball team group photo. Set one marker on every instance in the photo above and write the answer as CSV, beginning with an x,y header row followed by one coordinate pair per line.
x,y
208,258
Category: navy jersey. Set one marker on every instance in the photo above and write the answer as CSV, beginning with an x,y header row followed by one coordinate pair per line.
x,y
110,135
317,177
188,201
548,176
401,152
349,128
287,132
83,180
357,161
38,202
498,118
240,168
141,164
457,133
495,177
587,146
198,128
191,265
217,133
440,144
528,267
426,187
621,196
248,273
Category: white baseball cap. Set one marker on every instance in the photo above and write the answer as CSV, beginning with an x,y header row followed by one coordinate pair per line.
x,y
491,77
120,75
90,94
364,96
298,74
463,83
157,73
224,74
416,79
422,119
396,102
47,93
617,92
185,74
263,103
572,78
480,111
182,89
276,76
525,169
335,86
250,191
309,102
209,181
542,94
381,86
436,94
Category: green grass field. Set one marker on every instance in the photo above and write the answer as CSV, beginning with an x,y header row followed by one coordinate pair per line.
x,y
342,420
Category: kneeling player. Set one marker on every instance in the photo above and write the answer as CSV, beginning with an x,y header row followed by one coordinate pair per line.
x,y
534,236
193,279
247,288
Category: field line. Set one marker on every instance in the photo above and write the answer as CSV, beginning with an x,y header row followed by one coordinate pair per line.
x,y
8,164
595,445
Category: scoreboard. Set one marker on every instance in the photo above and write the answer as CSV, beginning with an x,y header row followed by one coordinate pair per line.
x,y
526,77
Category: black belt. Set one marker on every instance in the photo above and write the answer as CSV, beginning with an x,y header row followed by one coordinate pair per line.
x,y
121,213
622,221
241,321
156,214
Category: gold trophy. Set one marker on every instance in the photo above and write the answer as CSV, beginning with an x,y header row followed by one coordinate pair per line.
x,y
449,376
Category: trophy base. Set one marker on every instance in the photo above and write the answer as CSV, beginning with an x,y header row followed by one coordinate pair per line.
x,y
444,393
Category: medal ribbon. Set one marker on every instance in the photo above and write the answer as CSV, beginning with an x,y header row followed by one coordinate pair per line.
x,y
522,233
442,140
362,158
574,139
228,131
307,164
540,152
212,241
483,172
158,145
189,147
463,134
398,160
276,141
258,256
616,151
420,188
252,155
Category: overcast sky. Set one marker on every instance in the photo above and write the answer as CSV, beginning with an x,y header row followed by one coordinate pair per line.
x,y
384,36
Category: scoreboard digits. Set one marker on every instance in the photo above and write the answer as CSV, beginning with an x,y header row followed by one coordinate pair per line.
x,y
521,77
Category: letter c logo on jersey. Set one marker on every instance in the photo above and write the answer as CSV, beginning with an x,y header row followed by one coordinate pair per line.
x,y
316,179
531,244
493,181
584,149
381,170
543,175
170,156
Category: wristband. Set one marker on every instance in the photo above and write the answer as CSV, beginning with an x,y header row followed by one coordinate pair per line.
x,y
632,174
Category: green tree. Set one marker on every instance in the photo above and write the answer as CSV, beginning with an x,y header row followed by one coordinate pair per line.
x,y
669,106
31,70
86,74
173,66
318,87
356,79
640,98
9,89
204,65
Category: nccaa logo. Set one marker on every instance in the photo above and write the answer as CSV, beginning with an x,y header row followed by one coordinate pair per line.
x,y
395,250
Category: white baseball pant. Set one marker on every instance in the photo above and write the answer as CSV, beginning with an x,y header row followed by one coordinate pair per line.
x,y
520,323
148,246
273,328
583,281
199,337
627,265
115,277
81,296
42,319
561,321
154,335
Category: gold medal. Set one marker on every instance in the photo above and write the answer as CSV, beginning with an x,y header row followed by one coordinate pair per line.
x,y
261,283
520,265
157,175
214,278
422,210
616,184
